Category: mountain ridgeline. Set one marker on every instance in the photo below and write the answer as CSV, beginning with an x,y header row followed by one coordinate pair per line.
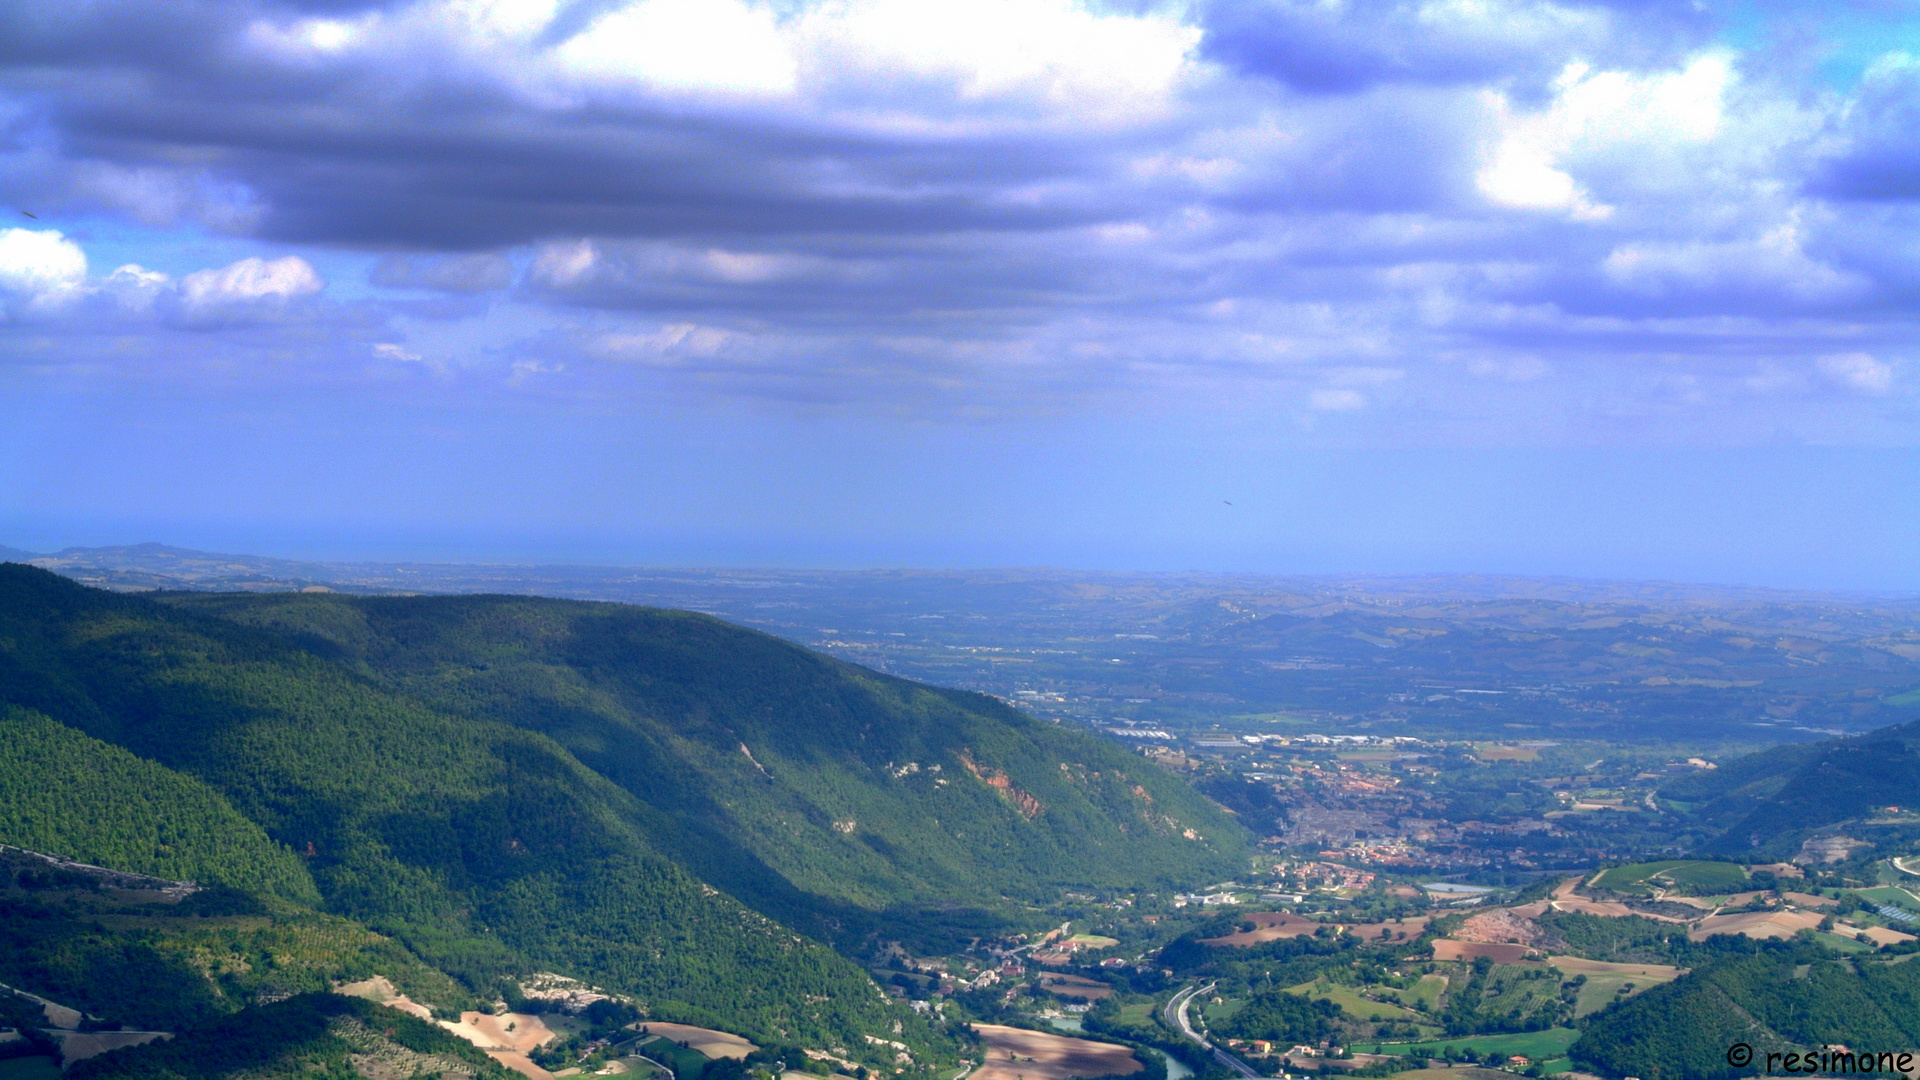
x,y
650,801
1769,802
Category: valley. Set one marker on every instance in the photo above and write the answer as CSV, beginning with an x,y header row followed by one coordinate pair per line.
x,y
568,838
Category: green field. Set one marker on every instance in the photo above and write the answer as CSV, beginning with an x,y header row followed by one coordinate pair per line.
x,y
1887,894
1094,941
1427,990
1221,1013
1139,1014
1538,1045
1349,999
684,1061
29,1068
1690,872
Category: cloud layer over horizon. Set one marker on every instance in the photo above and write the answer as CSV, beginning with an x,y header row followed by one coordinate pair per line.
x,y
1452,221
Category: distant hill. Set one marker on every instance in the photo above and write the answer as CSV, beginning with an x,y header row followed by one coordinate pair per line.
x,y
1784,998
1449,655
507,785
1771,801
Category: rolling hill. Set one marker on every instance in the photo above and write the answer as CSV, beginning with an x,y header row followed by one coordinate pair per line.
x,y
1770,802
642,799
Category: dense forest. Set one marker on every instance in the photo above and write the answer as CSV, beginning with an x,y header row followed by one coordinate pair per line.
x,y
311,1035
1766,803
488,787
1773,996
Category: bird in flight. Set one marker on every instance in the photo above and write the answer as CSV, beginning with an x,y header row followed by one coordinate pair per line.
x,y
1225,501
35,217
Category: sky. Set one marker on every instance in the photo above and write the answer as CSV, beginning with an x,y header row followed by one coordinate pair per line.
x,y
1611,289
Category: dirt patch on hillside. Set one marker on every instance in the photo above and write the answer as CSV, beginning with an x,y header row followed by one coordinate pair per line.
x,y
1756,924
379,990
1574,965
1499,953
1403,930
1267,926
1018,1054
1503,926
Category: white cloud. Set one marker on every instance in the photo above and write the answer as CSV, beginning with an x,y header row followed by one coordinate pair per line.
x,y
1530,158
42,267
135,287
669,345
1775,262
388,350
1336,400
1858,371
725,46
250,280
565,264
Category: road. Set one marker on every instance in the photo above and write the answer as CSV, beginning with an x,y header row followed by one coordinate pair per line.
x,y
1176,1014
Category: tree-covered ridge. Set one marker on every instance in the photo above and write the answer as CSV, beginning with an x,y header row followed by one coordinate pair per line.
x,y
1781,997
311,1035
65,793
167,963
810,787
503,785
1768,802
453,834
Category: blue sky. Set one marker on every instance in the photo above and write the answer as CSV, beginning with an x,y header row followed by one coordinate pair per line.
x,y
1611,289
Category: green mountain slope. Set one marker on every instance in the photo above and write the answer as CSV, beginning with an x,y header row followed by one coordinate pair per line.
x,y
313,1035
487,849
61,791
808,786
505,785
1787,998
1770,801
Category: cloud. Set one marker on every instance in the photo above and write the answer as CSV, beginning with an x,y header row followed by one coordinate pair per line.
x,y
1406,210
249,281
1332,399
41,269
1858,372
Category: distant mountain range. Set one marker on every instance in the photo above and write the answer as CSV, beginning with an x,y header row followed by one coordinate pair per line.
x,y
645,800
1771,802
1455,655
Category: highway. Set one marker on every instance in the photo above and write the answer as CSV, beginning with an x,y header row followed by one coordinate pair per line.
x,y
1176,1014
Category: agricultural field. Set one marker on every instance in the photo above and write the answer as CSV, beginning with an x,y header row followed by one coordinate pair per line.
x,y
683,1060
1018,1054
1707,877
1538,1045
1427,991
1225,1010
1355,1003
1890,895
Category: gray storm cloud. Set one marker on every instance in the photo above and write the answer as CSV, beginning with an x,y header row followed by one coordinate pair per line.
x,y
1548,205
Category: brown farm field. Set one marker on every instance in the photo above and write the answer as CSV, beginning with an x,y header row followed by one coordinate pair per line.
x,y
1018,1054
1075,986
1268,926
714,1044
1499,953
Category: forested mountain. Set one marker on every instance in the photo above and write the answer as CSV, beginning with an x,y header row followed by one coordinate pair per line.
x,y
505,784
1780,997
797,782
1773,800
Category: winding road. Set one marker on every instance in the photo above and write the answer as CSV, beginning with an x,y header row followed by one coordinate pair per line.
x,y
1176,1014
